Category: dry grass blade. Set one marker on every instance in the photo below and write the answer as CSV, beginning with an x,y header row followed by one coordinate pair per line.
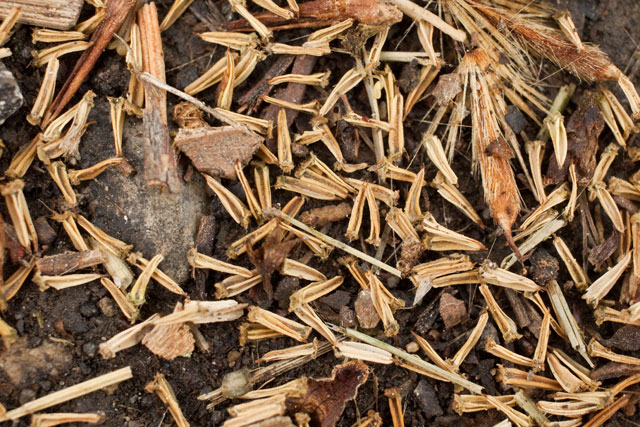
x,y
364,352
45,94
126,307
493,275
137,294
293,352
347,82
575,270
279,324
535,150
506,325
314,291
19,213
383,305
117,247
63,282
558,133
471,342
566,319
506,354
285,157
59,175
436,153
77,176
598,350
177,9
69,393
336,243
440,238
45,56
456,198
198,260
21,162
127,338
234,206
556,197
157,274
49,420
308,315
522,379
163,389
601,287
411,359
395,406
567,380
464,403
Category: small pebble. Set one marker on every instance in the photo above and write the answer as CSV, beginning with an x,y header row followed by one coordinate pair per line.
x,y
365,311
347,318
88,310
106,307
26,395
89,349
232,357
427,399
412,347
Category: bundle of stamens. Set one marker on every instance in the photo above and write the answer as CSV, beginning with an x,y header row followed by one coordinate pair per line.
x,y
589,63
491,153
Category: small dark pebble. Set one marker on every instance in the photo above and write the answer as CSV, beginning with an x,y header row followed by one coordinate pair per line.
x,y
427,399
286,286
46,234
626,338
45,385
545,266
515,119
347,318
89,310
337,299
146,401
75,324
26,395
89,349
20,326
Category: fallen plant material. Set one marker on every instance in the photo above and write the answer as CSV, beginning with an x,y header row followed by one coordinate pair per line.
x,y
215,150
170,341
67,262
269,257
326,398
57,14
319,13
50,420
117,11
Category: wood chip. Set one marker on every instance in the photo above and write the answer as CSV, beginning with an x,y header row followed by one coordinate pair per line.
x,y
215,150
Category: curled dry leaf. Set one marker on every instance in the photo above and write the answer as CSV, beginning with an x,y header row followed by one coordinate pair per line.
x,y
326,397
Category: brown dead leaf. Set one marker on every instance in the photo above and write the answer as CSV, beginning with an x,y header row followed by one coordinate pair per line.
x,y
326,397
604,250
215,150
448,87
583,129
169,341
321,216
268,258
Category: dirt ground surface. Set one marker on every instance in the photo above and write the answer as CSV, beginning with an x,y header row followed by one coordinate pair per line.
x,y
60,330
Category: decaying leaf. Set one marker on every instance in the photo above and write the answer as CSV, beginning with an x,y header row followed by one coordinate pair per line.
x,y
215,150
326,397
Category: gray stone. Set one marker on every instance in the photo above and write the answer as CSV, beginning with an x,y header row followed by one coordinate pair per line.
x,y
427,399
365,311
154,222
10,95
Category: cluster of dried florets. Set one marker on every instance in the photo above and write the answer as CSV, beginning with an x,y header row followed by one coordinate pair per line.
x,y
494,71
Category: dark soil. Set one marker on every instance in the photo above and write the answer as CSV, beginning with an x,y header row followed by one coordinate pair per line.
x,y
60,330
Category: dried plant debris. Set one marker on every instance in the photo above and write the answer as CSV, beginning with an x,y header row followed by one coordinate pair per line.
x,y
393,164
214,151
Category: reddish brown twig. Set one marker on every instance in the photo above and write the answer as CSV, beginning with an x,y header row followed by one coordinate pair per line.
x,y
117,11
322,12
